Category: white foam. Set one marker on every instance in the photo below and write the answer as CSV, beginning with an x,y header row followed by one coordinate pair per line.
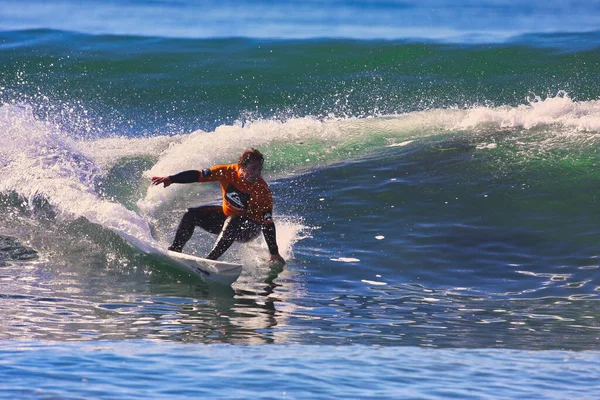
x,y
345,259
289,232
558,110
406,143
107,152
37,160
375,283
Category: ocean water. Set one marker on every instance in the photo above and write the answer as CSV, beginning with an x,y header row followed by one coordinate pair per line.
x,y
435,176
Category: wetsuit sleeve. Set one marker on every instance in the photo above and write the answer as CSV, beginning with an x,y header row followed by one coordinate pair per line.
x,y
186,177
216,173
271,238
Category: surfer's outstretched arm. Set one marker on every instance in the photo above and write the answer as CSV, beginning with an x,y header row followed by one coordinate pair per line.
x,y
165,180
182,177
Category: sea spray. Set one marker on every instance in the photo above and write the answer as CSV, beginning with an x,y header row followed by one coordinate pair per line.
x,y
40,162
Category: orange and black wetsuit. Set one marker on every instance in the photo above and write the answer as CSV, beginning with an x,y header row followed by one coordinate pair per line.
x,y
246,210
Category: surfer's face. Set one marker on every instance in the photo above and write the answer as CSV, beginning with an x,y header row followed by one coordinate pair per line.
x,y
251,171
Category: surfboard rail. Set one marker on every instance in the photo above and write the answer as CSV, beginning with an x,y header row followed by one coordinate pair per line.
x,y
210,270
219,271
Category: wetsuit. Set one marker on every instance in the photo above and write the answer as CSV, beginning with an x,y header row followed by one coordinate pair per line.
x,y
246,210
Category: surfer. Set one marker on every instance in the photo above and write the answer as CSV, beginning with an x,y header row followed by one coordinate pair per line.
x,y
247,207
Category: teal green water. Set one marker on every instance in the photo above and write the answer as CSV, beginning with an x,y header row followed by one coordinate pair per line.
x,y
158,85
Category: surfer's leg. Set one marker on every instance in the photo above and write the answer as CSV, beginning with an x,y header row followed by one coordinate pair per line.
x,y
235,228
249,230
184,233
209,218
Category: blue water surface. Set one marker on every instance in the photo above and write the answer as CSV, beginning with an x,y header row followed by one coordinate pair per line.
x,y
488,20
147,370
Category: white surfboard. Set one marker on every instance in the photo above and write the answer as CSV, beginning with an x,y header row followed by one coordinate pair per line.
x,y
212,270
218,271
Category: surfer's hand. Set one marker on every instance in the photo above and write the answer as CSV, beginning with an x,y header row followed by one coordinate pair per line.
x,y
165,180
276,258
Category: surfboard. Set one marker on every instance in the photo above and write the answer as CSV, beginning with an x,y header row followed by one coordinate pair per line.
x,y
212,270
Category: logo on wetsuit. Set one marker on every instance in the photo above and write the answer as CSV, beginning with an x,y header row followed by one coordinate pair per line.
x,y
237,199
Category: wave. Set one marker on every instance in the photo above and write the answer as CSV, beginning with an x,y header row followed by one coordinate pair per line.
x,y
174,86
106,180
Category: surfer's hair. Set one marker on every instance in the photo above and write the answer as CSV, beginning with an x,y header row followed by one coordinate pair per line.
x,y
251,155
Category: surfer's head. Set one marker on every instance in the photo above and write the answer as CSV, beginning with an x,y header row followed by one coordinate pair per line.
x,y
251,163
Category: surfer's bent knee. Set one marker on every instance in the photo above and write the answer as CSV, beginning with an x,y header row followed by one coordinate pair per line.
x,y
241,228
